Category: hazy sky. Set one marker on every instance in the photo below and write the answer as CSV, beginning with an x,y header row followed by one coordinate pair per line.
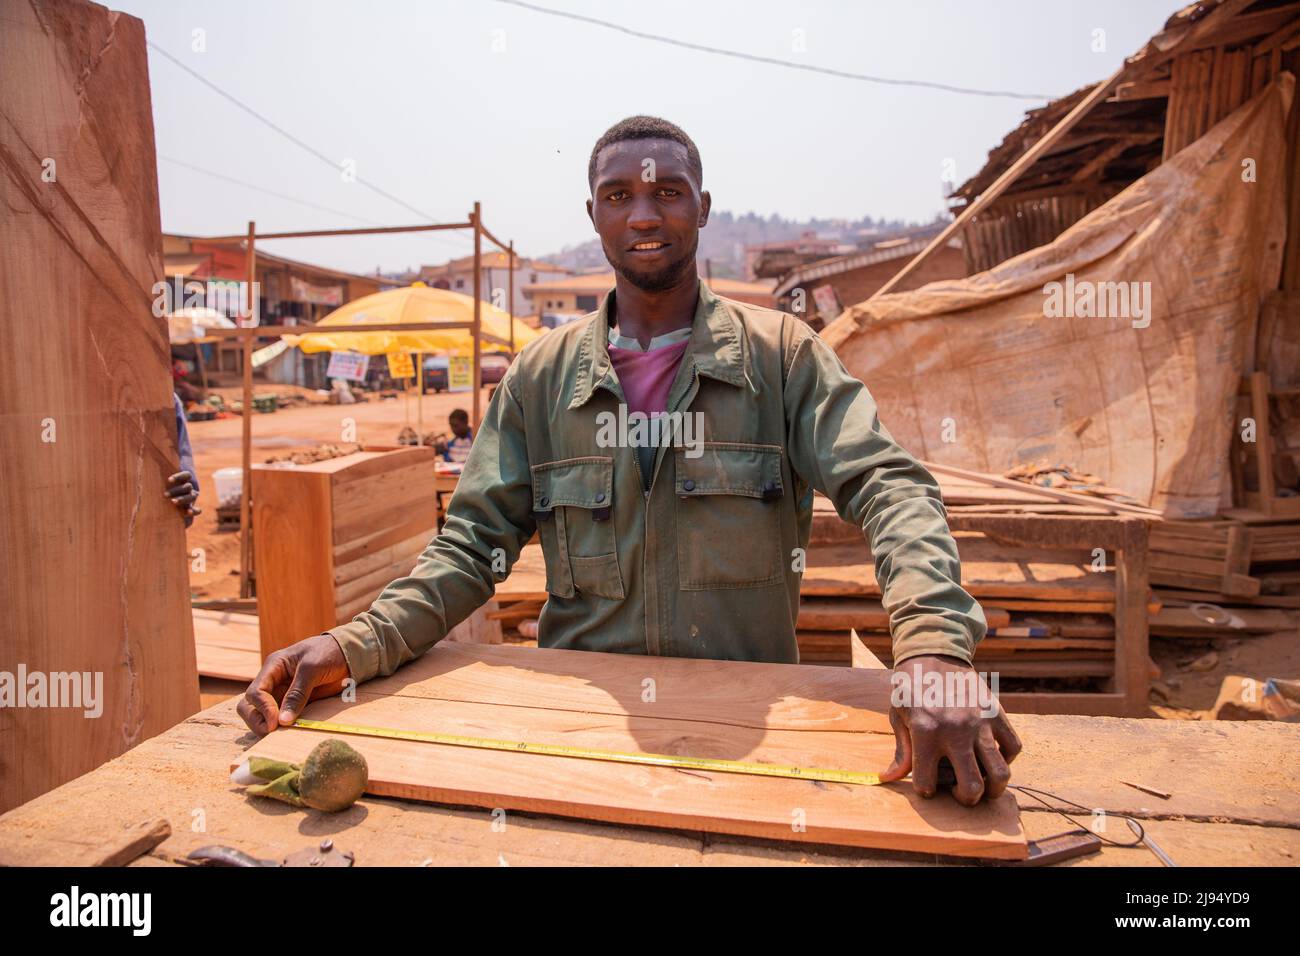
x,y
441,102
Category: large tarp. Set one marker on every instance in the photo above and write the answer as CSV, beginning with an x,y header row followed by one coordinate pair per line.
x,y
1118,347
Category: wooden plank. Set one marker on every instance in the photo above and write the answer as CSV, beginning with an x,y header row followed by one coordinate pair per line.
x,y
1181,621
227,645
730,709
989,570
1263,600
398,551
93,569
293,552
404,484
170,775
400,515
478,628
527,578
1070,497
1132,638
861,656
843,613
1259,386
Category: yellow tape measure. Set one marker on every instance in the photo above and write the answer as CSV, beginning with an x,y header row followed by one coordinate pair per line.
x,y
613,756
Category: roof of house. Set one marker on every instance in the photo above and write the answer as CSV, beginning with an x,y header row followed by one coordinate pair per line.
x,y
1121,139
191,260
494,259
601,282
899,247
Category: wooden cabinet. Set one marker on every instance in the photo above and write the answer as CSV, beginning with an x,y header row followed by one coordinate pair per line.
x,y
327,537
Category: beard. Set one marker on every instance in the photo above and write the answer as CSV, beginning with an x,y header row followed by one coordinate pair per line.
x,y
662,278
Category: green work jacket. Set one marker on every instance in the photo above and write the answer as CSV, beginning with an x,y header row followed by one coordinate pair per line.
x,y
707,563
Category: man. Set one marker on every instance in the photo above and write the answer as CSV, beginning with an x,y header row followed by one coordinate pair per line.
x,y
183,487
456,448
688,550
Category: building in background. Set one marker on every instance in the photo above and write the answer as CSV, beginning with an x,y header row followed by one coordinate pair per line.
x,y
563,300
771,260
818,291
290,293
458,276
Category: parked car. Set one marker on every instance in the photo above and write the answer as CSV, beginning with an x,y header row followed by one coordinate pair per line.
x,y
494,365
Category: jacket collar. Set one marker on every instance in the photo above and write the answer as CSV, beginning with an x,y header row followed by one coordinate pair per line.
x,y
714,347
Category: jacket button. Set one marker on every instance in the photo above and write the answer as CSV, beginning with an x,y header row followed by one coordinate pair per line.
x,y
688,485
769,487
545,501
600,497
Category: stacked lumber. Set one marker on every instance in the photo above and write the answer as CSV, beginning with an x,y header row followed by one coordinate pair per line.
x,y
227,645
1047,609
1227,556
1211,555
1234,575
520,597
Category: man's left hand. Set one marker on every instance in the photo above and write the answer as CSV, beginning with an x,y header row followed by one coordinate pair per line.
x,y
972,733
182,493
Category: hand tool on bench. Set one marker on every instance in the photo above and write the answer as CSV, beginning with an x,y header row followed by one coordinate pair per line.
x,y
326,854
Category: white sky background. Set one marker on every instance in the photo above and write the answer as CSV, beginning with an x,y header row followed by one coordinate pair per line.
x,y
414,93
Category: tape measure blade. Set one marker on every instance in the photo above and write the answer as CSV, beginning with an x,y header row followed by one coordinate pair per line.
x,y
715,764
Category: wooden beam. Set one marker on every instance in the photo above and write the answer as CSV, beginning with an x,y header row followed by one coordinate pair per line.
x,y
494,240
275,331
1068,496
246,426
1141,90
1112,152
373,231
1027,159
1259,410
476,372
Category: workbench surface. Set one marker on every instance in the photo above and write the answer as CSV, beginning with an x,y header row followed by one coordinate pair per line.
x,y
1235,801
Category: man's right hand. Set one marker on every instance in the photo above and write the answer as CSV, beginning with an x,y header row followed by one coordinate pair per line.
x,y
301,672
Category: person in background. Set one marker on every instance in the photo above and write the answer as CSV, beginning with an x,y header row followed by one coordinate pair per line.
x,y
183,487
180,385
457,448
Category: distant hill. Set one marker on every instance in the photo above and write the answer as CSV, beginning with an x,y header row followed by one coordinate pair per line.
x,y
723,241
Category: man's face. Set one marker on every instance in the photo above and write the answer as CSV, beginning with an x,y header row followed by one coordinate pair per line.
x,y
459,427
648,210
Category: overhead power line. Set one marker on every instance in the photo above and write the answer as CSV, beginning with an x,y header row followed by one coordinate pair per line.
x,y
434,236
773,61
270,192
285,133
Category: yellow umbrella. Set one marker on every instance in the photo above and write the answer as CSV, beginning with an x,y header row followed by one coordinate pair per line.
x,y
412,304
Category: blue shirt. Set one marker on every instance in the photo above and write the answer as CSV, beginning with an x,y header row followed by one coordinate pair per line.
x,y
458,448
183,441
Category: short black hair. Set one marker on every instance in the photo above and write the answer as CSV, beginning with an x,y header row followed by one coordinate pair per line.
x,y
646,127
458,415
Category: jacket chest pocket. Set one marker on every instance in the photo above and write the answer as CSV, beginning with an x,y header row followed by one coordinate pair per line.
x,y
729,516
573,504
